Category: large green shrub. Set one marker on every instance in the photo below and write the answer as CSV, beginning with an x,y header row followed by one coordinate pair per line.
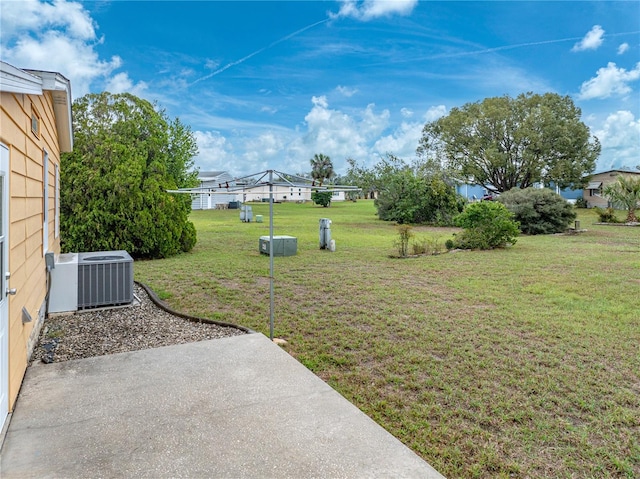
x,y
487,225
538,210
114,184
409,196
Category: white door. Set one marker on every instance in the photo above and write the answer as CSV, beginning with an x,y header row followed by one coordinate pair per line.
x,y
4,268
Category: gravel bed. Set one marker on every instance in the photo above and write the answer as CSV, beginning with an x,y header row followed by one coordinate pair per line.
x,y
108,331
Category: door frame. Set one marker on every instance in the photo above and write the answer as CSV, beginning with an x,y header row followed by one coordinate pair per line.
x,y
4,271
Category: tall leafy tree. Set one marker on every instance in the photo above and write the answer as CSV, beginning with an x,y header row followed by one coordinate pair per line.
x,y
321,168
113,185
504,143
361,177
625,192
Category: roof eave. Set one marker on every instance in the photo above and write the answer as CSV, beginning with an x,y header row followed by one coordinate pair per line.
x,y
60,88
15,80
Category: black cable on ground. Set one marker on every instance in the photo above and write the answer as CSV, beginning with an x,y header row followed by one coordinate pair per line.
x,y
162,305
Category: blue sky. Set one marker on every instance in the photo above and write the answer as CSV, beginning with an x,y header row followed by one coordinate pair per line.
x,y
266,85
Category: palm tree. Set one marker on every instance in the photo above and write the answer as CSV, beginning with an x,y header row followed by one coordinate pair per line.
x,y
625,192
321,167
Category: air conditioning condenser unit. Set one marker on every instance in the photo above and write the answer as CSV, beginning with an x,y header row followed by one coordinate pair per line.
x,y
105,278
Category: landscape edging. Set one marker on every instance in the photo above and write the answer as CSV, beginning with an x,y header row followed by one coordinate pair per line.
x,y
162,305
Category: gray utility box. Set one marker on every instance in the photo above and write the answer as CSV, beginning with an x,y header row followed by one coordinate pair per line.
x,y
325,233
282,245
246,214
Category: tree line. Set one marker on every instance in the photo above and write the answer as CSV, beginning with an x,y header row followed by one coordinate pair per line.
x,y
128,153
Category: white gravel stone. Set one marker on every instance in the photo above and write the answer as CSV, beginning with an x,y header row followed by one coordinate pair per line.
x,y
108,331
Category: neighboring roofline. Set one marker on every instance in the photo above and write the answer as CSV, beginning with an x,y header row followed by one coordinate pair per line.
x,y
615,171
36,82
202,175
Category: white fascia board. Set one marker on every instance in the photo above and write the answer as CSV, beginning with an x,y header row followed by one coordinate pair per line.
x,y
15,80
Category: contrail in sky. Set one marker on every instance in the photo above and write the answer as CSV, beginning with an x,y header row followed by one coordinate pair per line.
x,y
257,52
520,45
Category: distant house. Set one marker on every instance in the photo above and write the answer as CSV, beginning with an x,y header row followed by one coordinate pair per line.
x,y
338,196
218,188
35,127
212,191
473,192
593,192
296,193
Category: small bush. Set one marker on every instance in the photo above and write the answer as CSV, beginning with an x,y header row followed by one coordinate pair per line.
x,y
487,225
420,246
581,203
607,215
402,243
322,198
539,211
426,246
449,244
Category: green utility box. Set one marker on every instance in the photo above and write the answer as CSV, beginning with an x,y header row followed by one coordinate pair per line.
x,y
282,245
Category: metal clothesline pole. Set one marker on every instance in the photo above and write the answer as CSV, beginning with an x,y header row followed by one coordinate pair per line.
x,y
284,179
271,293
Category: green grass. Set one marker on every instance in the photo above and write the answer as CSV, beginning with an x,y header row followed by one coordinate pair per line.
x,y
521,362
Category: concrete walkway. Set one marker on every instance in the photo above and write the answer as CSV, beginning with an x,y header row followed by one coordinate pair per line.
x,y
232,408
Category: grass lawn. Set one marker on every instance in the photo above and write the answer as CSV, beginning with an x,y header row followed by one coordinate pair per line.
x,y
519,362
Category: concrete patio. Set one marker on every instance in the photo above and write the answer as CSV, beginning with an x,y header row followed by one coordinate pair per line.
x,y
238,407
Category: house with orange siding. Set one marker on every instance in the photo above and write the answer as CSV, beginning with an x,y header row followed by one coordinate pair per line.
x,y
35,128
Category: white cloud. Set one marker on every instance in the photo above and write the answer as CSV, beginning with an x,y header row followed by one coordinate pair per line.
x,y
435,112
320,101
214,152
495,78
623,48
338,134
35,15
609,81
403,141
406,112
333,132
346,91
58,36
369,9
121,83
54,51
211,64
264,150
620,139
591,41
363,134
